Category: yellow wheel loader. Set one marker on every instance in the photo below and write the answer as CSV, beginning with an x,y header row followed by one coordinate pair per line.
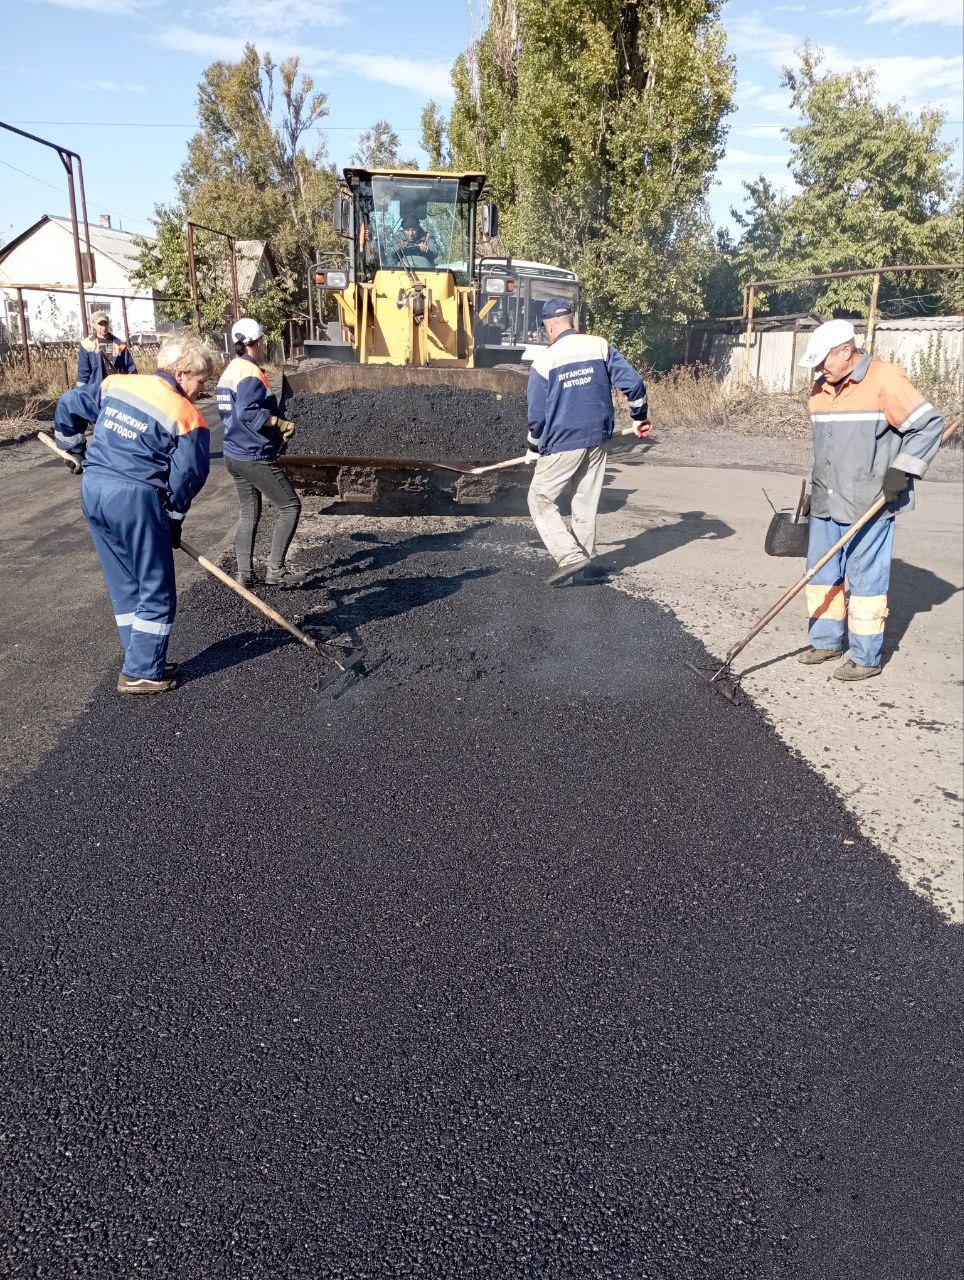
x,y
410,314
405,288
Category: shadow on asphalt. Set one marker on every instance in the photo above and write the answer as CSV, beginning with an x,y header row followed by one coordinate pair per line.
x,y
232,651
353,608
913,590
659,540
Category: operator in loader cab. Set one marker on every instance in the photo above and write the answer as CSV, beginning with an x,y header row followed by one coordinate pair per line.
x,y
571,421
414,241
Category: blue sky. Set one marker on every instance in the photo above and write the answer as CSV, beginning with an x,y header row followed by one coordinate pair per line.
x,y
116,80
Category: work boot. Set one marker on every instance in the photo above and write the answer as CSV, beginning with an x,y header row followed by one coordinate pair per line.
x,y
172,670
811,657
849,670
245,578
136,684
595,574
283,578
565,573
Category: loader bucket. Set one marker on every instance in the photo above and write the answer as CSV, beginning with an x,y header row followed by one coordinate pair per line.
x,y
399,439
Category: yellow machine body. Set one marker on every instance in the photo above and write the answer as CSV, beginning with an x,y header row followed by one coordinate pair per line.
x,y
409,294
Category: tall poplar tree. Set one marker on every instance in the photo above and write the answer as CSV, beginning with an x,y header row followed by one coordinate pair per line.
x,y
600,124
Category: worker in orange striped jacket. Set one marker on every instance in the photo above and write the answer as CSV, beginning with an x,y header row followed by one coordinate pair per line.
x,y
873,435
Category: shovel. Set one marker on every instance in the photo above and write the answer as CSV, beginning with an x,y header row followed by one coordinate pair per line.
x,y
722,679
516,462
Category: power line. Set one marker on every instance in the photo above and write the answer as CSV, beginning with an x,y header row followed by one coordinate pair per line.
x,y
172,124
53,187
32,176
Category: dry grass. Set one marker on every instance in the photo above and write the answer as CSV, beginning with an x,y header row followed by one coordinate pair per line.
x,y
694,398
28,396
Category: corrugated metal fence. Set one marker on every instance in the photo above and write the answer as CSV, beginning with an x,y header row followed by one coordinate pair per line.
x,y
776,347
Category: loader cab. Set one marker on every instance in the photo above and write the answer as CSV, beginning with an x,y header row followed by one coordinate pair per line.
x,y
413,222
512,292
405,287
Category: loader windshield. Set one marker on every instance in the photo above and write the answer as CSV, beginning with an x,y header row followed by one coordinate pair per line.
x,y
416,224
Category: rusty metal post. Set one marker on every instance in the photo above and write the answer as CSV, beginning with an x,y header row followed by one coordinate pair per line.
x,y
82,297
67,382
749,295
83,209
872,313
23,329
192,276
232,243
127,328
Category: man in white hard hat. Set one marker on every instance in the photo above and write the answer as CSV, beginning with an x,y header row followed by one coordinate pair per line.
x,y
254,435
873,434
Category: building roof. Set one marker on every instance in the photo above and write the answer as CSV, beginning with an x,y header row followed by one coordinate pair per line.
x,y
110,241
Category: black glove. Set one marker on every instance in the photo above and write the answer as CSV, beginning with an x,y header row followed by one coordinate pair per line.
x,y
175,528
75,464
895,482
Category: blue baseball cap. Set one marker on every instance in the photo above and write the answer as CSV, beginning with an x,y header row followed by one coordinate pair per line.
x,y
556,307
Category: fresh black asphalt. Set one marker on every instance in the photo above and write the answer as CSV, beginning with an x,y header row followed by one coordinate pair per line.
x,y
527,957
439,424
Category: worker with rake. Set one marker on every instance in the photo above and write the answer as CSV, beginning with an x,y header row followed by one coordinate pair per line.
x,y
873,435
571,421
147,460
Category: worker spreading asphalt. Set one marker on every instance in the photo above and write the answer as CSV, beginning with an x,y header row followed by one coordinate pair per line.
x,y
527,956
438,424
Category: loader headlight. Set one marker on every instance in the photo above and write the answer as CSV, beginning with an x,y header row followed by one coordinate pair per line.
x,y
332,279
493,284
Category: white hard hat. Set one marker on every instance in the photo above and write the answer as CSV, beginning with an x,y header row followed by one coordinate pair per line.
x,y
246,330
826,336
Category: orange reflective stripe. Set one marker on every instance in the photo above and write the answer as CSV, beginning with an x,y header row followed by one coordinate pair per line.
x,y
238,370
866,615
146,391
827,602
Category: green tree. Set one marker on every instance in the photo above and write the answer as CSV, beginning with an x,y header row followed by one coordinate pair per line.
x,y
874,187
249,173
434,138
599,125
377,147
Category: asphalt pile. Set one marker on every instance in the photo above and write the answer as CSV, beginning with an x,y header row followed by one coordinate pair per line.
x,y
529,956
438,424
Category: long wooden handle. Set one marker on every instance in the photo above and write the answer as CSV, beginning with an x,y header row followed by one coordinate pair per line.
x,y
515,462
54,447
246,595
798,586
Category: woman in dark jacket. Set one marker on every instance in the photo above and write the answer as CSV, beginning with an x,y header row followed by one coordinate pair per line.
x,y
253,437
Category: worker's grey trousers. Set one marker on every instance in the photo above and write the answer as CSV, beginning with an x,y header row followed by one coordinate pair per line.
x,y
585,468
252,479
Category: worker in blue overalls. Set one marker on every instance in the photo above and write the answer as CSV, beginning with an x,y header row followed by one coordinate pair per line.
x,y
148,458
254,435
102,354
